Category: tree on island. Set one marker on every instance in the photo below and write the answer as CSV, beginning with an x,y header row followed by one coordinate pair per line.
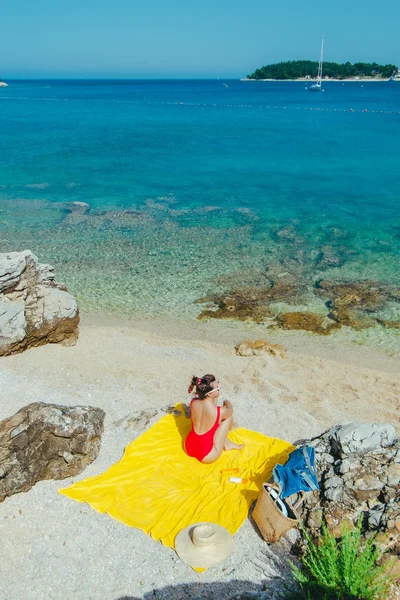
x,y
295,69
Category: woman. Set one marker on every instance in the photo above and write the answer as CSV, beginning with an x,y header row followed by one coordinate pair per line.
x,y
210,423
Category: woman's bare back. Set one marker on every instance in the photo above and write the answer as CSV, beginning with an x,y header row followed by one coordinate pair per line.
x,y
203,414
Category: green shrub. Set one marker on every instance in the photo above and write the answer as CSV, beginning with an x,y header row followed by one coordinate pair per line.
x,y
342,570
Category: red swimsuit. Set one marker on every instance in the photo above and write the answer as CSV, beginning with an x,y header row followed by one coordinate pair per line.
x,y
199,445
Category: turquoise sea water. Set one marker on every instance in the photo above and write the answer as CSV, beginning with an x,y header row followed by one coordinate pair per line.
x,y
195,188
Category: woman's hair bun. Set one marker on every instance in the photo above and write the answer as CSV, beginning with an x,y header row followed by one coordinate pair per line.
x,y
193,384
202,385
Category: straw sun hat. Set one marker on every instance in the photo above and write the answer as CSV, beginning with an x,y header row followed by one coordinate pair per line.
x,y
203,544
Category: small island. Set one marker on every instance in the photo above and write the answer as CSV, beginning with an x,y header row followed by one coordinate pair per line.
x,y
307,69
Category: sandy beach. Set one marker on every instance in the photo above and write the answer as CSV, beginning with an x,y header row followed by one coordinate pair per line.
x,y
160,221
57,548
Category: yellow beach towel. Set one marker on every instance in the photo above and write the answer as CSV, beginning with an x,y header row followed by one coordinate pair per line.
x,y
159,489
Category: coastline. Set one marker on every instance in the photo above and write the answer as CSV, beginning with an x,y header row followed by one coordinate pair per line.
x,y
303,80
246,212
127,366
151,262
126,249
228,333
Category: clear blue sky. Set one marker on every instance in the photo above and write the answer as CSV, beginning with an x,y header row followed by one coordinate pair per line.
x,y
188,38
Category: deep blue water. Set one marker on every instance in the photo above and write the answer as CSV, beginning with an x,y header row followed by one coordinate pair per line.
x,y
123,142
214,172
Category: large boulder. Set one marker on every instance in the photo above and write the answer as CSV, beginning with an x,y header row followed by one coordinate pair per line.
x,y
34,309
47,441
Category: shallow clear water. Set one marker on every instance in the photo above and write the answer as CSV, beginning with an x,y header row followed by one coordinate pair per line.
x,y
226,187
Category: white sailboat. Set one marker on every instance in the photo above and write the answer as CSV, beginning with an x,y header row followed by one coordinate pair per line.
x,y
317,87
395,76
3,83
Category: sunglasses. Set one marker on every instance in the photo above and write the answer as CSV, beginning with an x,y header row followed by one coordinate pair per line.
x,y
217,389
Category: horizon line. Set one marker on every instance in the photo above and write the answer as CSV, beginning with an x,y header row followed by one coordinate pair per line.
x,y
112,78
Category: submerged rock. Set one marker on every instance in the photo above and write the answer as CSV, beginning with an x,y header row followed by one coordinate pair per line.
x,y
352,318
329,257
334,233
79,206
34,309
78,214
367,295
47,441
305,321
248,303
241,305
287,233
356,304
389,324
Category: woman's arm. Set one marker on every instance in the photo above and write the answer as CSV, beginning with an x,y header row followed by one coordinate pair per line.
x,y
226,410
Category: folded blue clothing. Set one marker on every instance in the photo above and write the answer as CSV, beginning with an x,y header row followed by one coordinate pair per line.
x,y
298,474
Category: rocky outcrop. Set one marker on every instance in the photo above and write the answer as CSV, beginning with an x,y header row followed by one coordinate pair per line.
x,y
358,467
259,348
47,441
356,304
34,309
305,321
248,303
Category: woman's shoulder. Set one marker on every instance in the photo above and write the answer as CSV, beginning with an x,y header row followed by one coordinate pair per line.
x,y
202,406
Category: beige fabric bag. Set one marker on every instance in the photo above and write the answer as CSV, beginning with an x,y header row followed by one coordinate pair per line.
x,y
270,519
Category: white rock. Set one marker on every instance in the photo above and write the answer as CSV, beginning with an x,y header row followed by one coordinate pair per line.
x,y
393,475
335,494
359,438
46,273
12,266
368,482
334,481
46,304
34,309
12,323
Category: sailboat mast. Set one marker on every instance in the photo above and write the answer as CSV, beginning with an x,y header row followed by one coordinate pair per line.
x,y
317,86
321,58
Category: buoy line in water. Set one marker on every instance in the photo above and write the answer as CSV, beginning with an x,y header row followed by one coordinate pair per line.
x,y
213,105
281,107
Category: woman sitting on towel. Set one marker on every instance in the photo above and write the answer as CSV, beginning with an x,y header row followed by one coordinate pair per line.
x,y
210,423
